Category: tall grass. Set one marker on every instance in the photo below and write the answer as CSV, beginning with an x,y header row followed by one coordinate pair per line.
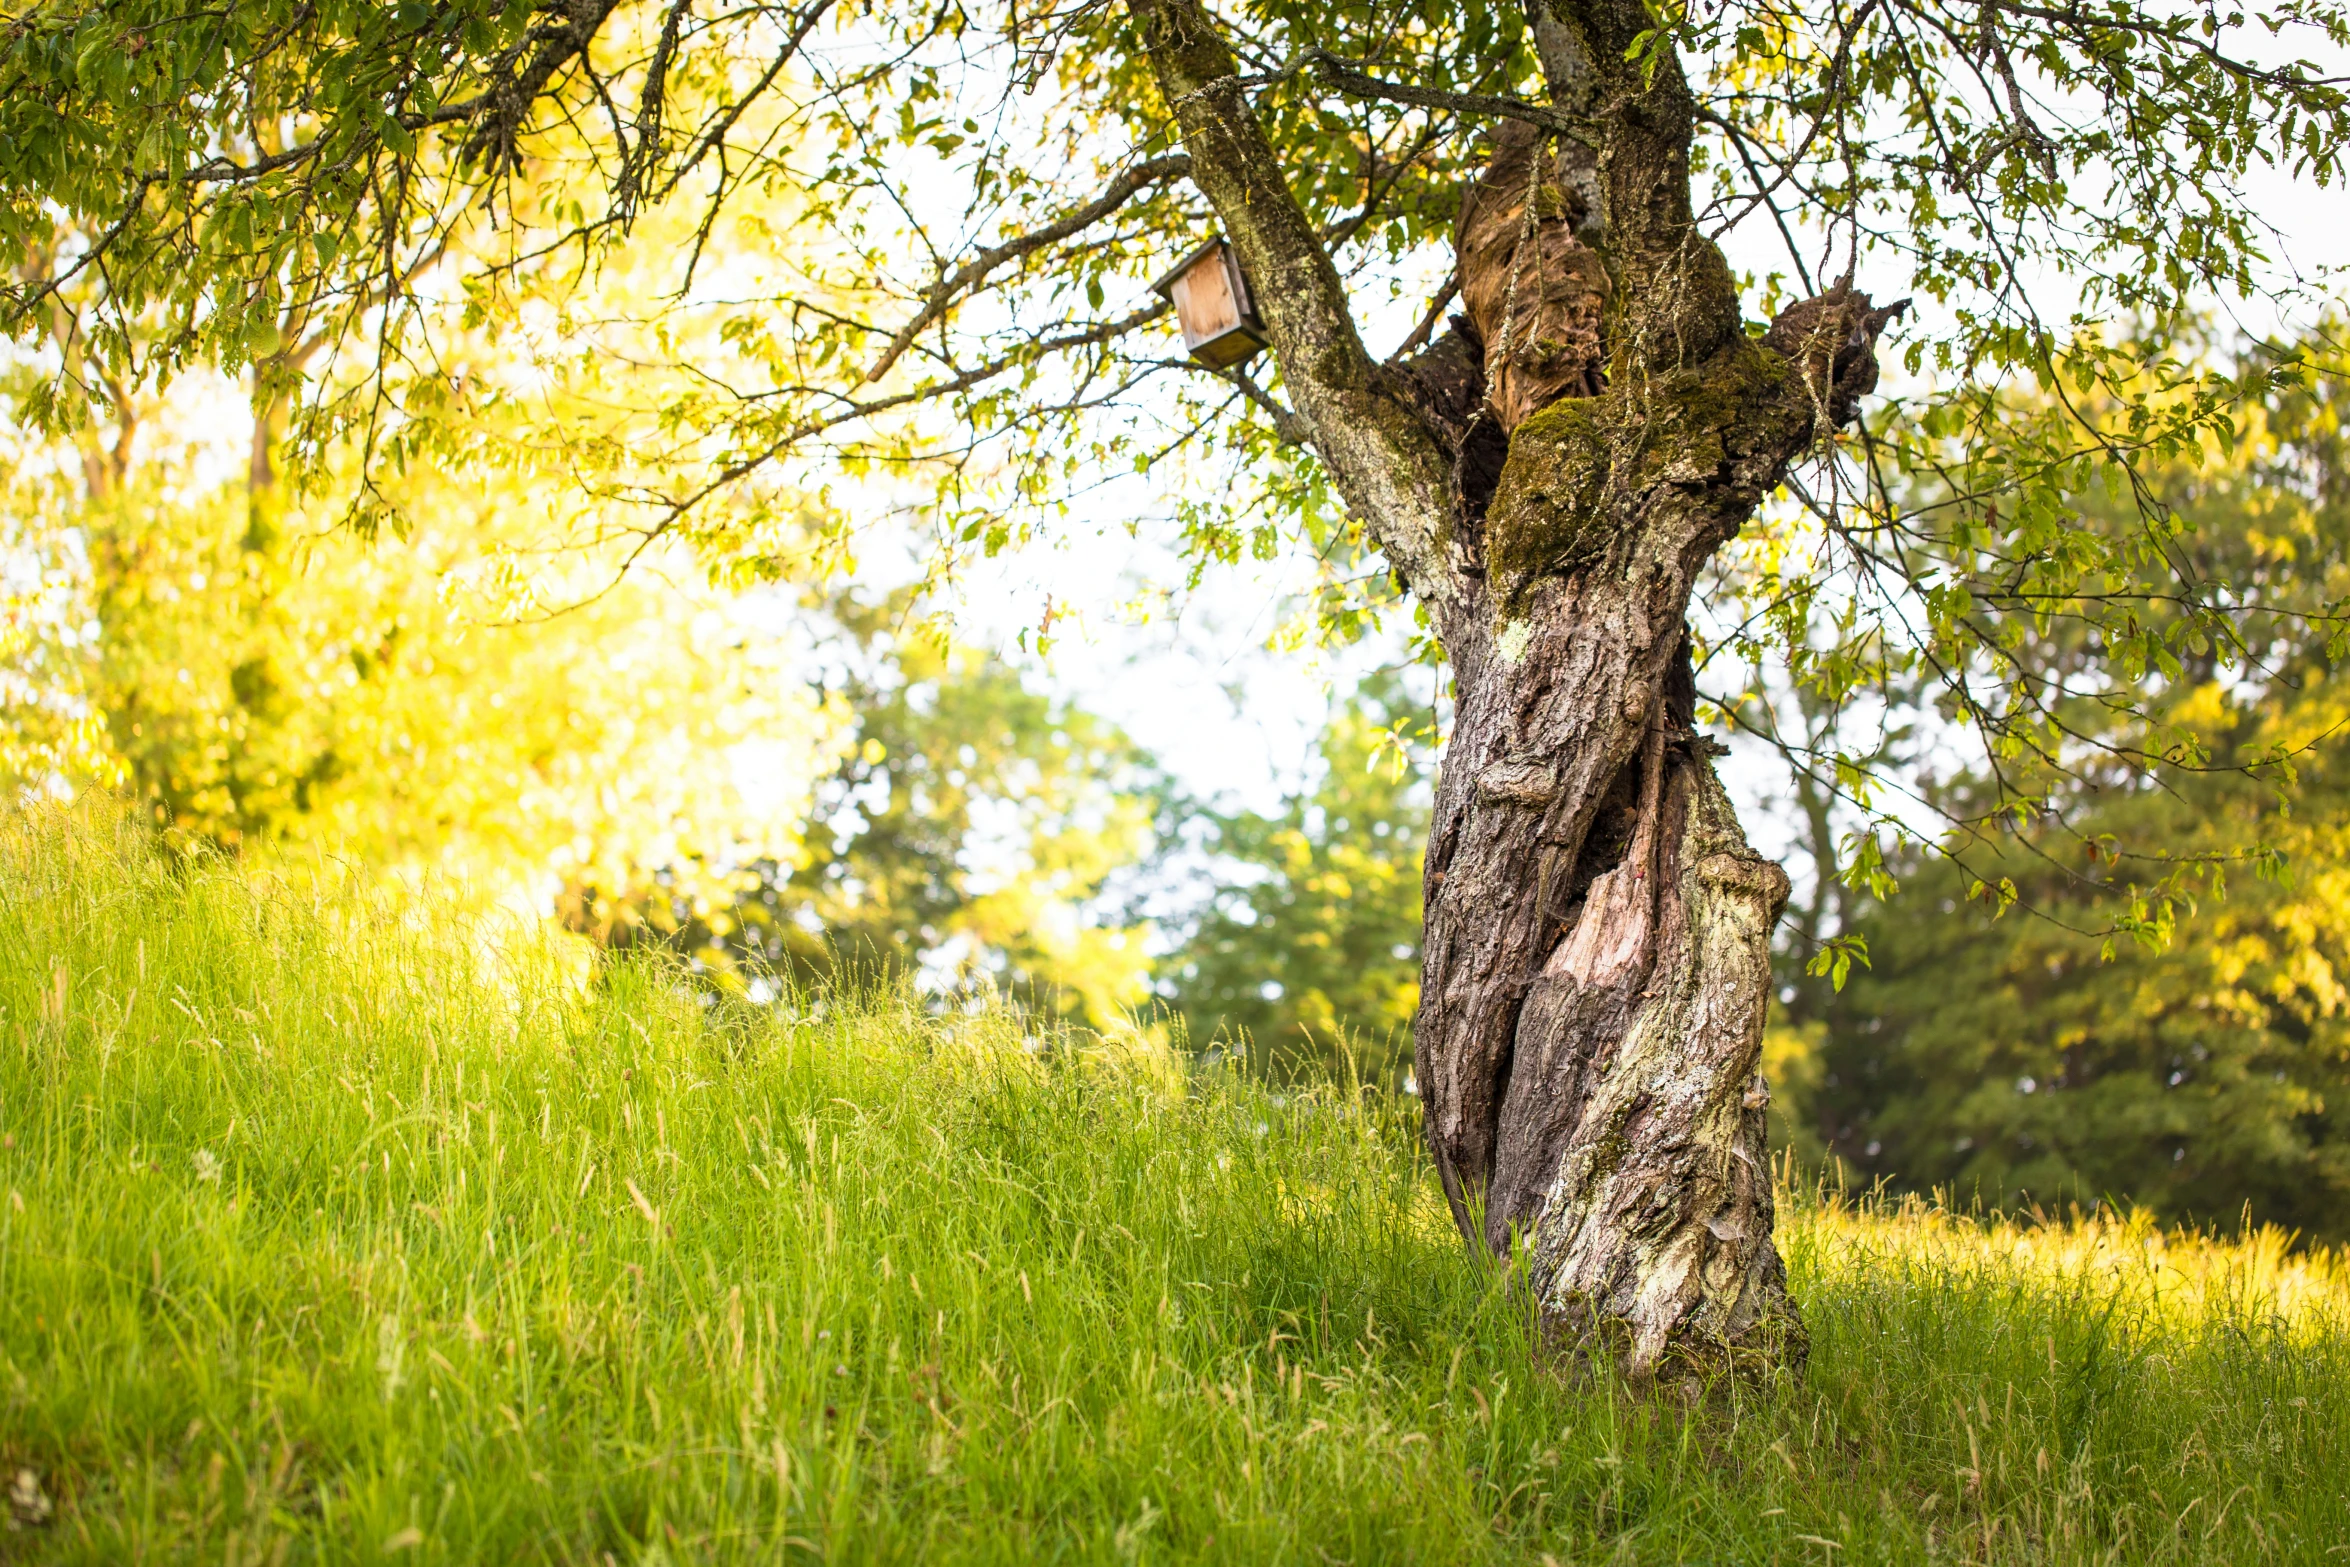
x,y
335,1226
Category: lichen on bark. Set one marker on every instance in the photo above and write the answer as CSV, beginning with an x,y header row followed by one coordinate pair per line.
x,y
1659,1219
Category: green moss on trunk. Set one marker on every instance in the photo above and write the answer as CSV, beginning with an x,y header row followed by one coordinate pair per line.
x,y
1585,472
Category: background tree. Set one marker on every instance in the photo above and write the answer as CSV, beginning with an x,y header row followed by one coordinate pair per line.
x,y
1551,480
2004,1044
308,687
973,840
2014,1062
51,740
1307,950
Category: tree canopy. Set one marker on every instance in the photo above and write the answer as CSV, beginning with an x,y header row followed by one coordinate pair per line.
x,y
971,842
912,244
253,676
2005,1052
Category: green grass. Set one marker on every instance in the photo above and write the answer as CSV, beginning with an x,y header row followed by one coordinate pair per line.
x,y
333,1229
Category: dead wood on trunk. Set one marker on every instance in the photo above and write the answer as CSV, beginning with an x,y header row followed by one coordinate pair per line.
x,y
1535,293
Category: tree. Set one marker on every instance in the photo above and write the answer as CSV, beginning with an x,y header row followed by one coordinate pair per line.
x,y
256,679
1550,480
2003,1045
969,841
1308,949
2013,1060
253,677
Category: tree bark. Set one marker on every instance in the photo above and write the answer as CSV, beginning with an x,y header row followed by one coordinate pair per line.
x,y
1550,478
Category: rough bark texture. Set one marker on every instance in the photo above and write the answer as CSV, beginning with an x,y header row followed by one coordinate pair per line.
x,y
1550,477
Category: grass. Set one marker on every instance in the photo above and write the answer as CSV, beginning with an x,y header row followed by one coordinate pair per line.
x,y
332,1229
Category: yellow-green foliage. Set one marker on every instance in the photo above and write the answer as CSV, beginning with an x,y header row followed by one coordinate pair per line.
x,y
337,692
1309,950
2199,1077
335,1228
969,827
2203,1067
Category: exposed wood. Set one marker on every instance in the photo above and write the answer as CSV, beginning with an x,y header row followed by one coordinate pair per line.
x,y
1535,292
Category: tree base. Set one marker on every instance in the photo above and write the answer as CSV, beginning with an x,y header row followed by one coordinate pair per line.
x,y
1655,1236
1775,1345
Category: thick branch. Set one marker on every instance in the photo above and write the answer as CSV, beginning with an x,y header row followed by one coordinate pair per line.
x,y
1573,82
495,140
1831,341
1677,303
942,297
1567,68
1382,457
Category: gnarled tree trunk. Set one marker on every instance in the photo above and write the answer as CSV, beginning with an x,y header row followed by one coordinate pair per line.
x,y
1550,478
1596,971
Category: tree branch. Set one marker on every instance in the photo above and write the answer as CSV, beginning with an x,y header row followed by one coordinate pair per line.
x,y
495,141
721,124
1345,76
849,409
1573,82
942,296
1676,302
1428,319
1383,459
1288,428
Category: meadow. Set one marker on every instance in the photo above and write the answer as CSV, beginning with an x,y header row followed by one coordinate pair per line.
x,y
339,1223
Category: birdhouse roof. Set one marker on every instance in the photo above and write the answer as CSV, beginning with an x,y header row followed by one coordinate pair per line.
x,y
1165,286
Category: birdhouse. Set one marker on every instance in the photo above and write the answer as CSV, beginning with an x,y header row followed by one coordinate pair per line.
x,y
1220,325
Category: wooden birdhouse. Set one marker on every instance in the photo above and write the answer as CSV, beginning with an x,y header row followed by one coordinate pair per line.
x,y
1220,325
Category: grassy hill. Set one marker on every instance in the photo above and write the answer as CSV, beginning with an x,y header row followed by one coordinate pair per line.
x,y
338,1226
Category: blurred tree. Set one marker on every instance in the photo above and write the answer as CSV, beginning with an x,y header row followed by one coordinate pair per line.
x,y
207,610
255,675
1310,944
328,691
496,694
2206,1066
971,839
51,738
